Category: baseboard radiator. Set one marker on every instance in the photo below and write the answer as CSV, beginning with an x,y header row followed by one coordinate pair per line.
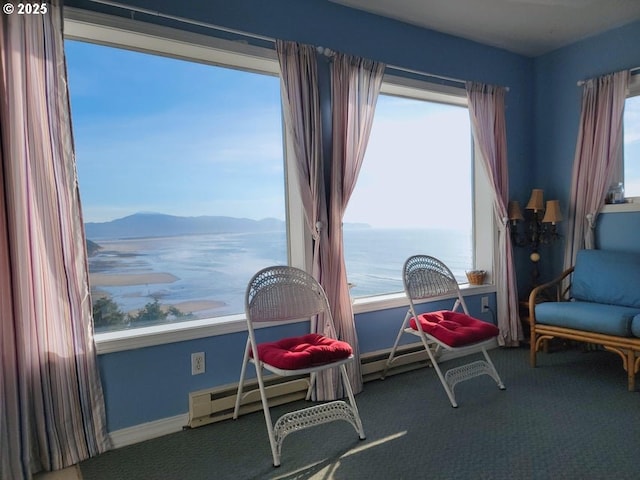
x,y
217,404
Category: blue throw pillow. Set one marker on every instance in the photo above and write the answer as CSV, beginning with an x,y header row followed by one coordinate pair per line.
x,y
604,276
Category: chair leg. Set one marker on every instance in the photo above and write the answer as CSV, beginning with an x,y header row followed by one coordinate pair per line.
x,y
532,348
243,371
395,345
443,381
312,382
352,401
275,447
495,375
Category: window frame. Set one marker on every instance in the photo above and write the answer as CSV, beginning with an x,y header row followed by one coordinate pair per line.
x,y
483,238
98,28
632,204
142,37
634,91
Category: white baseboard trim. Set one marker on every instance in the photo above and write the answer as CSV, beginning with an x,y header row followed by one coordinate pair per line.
x,y
147,431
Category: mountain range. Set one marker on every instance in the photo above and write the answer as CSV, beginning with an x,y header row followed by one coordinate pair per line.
x,y
162,225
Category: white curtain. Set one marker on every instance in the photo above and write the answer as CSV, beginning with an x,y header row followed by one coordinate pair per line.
x,y
487,112
598,151
52,412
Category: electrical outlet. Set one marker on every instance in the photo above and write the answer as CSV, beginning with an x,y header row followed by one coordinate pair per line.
x,y
197,363
484,305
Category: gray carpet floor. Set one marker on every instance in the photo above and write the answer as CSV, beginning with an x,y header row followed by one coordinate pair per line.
x,y
570,418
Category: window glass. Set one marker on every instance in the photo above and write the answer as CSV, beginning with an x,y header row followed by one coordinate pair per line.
x,y
413,196
180,168
632,147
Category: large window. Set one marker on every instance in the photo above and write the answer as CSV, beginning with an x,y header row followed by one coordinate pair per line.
x,y
632,140
181,175
186,191
415,192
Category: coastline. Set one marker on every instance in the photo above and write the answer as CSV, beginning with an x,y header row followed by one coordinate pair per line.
x,y
130,279
98,280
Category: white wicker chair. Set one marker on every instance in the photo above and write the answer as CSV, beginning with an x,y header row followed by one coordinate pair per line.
x,y
283,293
427,277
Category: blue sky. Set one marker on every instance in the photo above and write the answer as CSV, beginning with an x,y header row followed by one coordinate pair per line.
x,y
417,167
172,136
156,134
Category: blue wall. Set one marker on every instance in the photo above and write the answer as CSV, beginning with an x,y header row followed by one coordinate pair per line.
x,y
557,117
542,114
618,231
154,383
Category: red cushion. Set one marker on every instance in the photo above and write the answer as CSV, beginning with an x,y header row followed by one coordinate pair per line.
x,y
455,329
303,352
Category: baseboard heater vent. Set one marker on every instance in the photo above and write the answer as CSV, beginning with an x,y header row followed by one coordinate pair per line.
x,y
217,404
406,359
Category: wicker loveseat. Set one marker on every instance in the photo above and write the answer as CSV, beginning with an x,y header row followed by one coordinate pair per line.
x,y
601,306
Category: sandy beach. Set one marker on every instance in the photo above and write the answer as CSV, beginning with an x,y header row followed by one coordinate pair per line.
x,y
193,306
122,280
98,280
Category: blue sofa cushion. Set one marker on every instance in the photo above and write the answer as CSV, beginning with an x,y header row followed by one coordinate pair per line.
x,y
603,276
588,316
635,326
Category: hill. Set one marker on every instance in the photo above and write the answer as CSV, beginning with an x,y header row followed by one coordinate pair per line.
x,y
160,225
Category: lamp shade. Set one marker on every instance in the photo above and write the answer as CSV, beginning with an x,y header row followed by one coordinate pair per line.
x,y
552,213
514,211
536,201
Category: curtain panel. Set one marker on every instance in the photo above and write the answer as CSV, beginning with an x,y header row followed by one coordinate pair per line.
x,y
53,412
301,100
487,111
354,92
355,85
598,150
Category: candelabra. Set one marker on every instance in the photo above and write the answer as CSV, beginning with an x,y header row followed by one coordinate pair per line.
x,y
540,226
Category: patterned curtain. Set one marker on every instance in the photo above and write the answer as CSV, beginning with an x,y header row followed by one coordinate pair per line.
x,y
355,85
52,411
301,99
486,108
597,153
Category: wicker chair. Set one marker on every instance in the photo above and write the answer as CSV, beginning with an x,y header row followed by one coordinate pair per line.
x,y
284,294
427,277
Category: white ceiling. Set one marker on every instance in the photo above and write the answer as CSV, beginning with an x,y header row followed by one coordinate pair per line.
x,y
527,27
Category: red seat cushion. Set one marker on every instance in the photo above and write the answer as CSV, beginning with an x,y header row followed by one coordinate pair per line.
x,y
455,329
309,350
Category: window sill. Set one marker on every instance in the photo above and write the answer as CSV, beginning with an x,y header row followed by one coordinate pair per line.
x,y
395,300
134,338
631,205
110,342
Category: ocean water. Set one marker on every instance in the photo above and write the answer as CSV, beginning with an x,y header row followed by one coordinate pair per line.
x,y
218,267
375,257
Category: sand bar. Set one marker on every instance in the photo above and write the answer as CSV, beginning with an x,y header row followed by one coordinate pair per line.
x,y
121,280
191,306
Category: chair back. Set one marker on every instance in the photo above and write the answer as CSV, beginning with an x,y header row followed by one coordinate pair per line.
x,y
283,293
426,277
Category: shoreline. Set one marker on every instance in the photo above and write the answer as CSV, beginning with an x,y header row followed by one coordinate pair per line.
x,y
129,279
97,280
